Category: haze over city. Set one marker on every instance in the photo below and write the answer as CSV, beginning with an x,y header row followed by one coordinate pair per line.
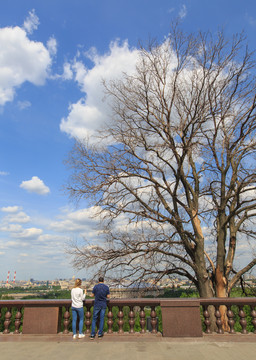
x,y
54,56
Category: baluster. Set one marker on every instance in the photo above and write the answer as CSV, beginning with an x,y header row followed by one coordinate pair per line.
x,y
207,320
253,314
153,320
17,321
7,321
142,321
131,319
110,320
120,321
87,319
242,321
66,320
231,321
218,320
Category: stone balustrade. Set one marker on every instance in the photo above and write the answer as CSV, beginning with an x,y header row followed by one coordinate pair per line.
x,y
229,304
176,317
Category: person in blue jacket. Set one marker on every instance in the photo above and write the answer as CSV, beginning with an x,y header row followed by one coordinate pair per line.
x,y
101,294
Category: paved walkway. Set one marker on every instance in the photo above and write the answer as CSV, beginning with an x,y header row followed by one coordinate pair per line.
x,y
128,347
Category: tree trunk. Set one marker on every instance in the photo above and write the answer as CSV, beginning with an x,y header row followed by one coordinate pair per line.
x,y
221,291
206,291
204,284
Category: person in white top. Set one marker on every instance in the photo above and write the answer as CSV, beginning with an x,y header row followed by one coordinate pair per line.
x,y
77,297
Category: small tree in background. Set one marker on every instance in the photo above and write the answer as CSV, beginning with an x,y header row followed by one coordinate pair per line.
x,y
172,174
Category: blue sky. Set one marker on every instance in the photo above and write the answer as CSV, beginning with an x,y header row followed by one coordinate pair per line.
x,y
53,56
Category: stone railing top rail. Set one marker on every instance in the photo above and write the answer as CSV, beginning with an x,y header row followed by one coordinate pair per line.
x,y
67,302
229,301
136,302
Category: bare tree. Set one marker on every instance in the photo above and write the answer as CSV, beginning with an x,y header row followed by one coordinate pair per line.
x,y
174,174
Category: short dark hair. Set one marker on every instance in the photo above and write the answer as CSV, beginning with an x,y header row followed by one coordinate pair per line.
x,y
101,279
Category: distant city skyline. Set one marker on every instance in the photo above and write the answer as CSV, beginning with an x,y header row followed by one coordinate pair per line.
x,y
54,55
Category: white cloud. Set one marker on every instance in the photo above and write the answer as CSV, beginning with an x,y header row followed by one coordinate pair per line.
x,y
11,209
31,23
4,173
24,104
19,217
171,10
52,46
18,232
250,19
80,73
183,12
17,244
35,185
91,112
30,233
11,228
67,72
82,120
79,221
52,240
21,60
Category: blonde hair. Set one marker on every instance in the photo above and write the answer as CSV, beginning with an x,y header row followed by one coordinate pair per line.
x,y
78,283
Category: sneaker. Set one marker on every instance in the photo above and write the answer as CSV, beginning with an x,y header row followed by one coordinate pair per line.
x,y
100,336
74,336
80,336
92,337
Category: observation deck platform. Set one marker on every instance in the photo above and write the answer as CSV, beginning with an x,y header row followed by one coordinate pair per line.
x,y
128,347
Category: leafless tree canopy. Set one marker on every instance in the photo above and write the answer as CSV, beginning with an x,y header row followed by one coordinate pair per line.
x,y
173,172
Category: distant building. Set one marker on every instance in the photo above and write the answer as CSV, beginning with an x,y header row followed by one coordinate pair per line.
x,y
69,284
134,292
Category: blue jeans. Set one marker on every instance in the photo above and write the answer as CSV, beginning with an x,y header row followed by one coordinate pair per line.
x,y
98,312
77,312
